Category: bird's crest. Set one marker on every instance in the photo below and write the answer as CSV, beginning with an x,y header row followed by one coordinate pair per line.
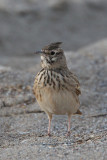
x,y
52,46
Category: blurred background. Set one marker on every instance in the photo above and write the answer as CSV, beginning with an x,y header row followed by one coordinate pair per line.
x,y
27,25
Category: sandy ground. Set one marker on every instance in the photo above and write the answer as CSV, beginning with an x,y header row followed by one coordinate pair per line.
x,y
23,126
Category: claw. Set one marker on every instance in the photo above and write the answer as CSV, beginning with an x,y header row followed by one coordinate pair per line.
x,y
68,133
49,134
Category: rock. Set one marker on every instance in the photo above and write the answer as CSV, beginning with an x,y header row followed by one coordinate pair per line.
x,y
3,69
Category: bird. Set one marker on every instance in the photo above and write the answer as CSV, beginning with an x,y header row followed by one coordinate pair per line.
x,y
56,88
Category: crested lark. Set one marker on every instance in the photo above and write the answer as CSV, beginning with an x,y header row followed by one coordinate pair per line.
x,y
56,88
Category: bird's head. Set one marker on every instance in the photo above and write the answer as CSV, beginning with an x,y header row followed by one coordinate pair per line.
x,y
52,56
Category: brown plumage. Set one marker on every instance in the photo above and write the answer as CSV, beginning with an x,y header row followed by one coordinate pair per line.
x,y
56,88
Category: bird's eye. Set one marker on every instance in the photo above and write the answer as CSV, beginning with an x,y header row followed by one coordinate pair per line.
x,y
52,53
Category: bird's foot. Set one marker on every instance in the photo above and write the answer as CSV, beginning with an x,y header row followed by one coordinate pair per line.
x,y
49,134
68,133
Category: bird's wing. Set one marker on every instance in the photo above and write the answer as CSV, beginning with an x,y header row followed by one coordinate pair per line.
x,y
77,84
73,83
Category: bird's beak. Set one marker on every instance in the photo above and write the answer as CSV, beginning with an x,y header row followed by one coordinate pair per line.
x,y
38,52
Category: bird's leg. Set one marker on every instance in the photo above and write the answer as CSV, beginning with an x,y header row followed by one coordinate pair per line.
x,y
69,124
50,118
